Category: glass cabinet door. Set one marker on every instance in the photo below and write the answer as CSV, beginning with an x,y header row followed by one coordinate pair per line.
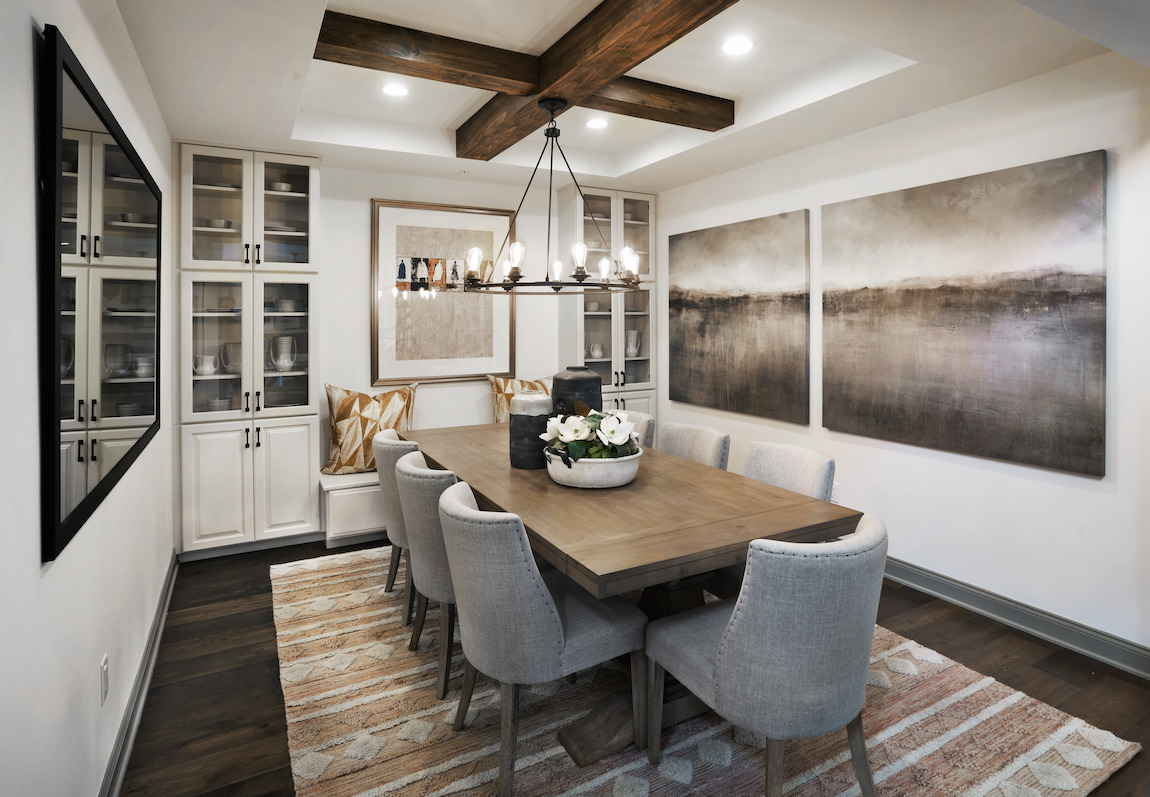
x,y
598,335
75,197
285,192
636,227
122,352
73,348
635,322
216,211
597,230
285,380
125,212
216,363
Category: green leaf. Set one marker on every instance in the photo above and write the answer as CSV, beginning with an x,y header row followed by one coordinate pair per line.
x,y
577,449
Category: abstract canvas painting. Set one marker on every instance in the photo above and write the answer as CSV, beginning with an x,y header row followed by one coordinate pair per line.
x,y
970,315
739,317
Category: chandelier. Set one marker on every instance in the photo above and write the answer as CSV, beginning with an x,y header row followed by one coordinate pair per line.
x,y
610,275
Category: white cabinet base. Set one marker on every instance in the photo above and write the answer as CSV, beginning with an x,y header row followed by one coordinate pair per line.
x,y
351,507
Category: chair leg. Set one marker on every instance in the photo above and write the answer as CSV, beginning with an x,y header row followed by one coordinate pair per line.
x,y
774,763
654,710
393,568
508,737
469,674
446,643
420,619
408,589
858,756
639,699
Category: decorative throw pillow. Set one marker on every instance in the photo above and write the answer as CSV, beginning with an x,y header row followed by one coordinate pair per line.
x,y
502,389
356,417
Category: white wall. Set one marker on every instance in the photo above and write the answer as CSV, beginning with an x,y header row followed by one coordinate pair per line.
x,y
1074,546
101,594
345,288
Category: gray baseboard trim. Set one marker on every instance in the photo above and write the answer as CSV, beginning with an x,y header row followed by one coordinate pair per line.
x,y
246,547
355,539
1113,650
122,750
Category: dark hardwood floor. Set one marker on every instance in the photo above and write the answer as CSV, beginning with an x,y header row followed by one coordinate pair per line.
x,y
213,721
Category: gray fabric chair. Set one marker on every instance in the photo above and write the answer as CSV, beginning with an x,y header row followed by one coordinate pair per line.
x,y
794,468
699,443
644,427
419,491
789,657
519,626
388,448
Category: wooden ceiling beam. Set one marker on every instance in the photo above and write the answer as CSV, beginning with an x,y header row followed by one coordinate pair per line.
x,y
367,43
646,100
613,39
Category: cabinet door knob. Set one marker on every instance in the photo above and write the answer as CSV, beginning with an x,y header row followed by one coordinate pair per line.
x,y
622,378
247,401
257,254
257,403
247,254
94,418
624,403
80,449
95,246
92,452
247,438
80,411
257,437
83,246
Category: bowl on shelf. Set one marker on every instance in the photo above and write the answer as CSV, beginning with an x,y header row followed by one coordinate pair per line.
x,y
135,218
279,186
219,222
219,405
285,305
127,409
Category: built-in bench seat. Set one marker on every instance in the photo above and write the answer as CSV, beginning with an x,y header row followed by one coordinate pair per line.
x,y
351,508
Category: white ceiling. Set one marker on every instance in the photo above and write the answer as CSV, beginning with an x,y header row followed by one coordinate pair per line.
x,y
241,74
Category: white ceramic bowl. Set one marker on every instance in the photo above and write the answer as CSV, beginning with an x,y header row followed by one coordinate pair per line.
x,y
593,473
135,218
279,186
219,223
219,405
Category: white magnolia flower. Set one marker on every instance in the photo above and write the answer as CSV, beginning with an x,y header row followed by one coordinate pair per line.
x,y
552,428
622,416
574,427
613,431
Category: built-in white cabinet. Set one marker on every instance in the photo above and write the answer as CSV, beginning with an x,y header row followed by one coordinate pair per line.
x,y
246,346
86,457
249,481
244,210
109,216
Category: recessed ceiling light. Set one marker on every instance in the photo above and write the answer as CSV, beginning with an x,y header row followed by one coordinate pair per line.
x,y
395,90
597,123
738,45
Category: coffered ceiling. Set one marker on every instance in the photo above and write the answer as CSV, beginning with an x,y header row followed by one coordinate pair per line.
x,y
243,74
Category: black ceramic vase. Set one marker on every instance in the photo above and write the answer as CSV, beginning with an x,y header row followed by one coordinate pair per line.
x,y
577,383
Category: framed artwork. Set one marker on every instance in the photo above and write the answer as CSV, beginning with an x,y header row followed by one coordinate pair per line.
x,y
423,326
739,317
970,315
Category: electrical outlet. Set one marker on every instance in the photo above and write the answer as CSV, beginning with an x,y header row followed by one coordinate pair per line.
x,y
835,493
103,679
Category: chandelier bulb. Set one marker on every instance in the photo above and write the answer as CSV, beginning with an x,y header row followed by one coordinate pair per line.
x,y
557,269
517,251
630,259
604,268
579,254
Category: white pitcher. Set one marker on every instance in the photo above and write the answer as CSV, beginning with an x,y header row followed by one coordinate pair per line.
x,y
205,364
283,352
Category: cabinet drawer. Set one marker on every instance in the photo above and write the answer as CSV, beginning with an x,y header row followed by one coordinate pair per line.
x,y
353,510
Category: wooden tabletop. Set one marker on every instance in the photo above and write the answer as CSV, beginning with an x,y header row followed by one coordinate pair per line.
x,y
677,519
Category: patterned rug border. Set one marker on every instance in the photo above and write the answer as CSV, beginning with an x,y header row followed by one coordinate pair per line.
x,y
363,720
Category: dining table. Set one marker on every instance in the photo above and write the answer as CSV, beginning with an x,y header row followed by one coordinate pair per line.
x,y
664,535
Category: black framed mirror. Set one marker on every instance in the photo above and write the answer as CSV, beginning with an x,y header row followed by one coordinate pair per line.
x,y
98,248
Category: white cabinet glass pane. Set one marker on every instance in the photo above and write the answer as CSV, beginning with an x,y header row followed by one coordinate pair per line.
x,y
217,346
217,209
286,344
131,212
637,347
286,194
597,336
128,354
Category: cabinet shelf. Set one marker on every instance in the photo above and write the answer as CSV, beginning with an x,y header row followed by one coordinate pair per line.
x,y
136,225
109,311
219,230
135,182
284,233
213,377
127,380
298,194
285,314
274,373
221,189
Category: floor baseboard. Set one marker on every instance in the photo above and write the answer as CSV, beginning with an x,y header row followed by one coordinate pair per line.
x,y
122,750
1113,650
247,547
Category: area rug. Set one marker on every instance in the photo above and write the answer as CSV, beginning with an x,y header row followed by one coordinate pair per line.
x,y
363,718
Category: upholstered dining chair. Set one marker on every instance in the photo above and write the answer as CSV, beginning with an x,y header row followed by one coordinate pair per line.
x,y
419,491
794,468
644,427
388,448
699,443
789,657
520,626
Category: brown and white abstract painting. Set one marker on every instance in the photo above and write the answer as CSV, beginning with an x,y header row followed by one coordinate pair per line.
x,y
970,315
739,310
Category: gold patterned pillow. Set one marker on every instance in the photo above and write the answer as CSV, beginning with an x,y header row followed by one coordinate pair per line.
x,y
356,417
502,389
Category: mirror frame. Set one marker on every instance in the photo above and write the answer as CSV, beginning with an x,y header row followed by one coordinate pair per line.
x,y
57,61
